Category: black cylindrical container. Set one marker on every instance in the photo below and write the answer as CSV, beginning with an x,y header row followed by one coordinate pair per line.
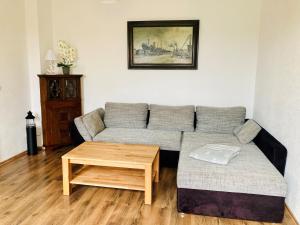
x,y
31,141
31,134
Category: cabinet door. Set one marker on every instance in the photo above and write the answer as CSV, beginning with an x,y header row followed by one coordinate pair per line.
x,y
54,89
71,88
51,127
63,116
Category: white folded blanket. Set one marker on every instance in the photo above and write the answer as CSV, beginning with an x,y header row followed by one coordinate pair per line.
x,y
216,153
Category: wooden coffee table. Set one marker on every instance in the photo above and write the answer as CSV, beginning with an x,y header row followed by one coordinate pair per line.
x,y
112,165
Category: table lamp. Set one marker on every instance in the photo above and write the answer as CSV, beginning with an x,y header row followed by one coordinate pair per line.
x,y
51,58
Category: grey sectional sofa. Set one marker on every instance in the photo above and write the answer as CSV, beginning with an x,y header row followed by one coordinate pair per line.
x,y
250,187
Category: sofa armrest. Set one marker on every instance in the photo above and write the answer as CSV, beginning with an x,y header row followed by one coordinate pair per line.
x,y
272,149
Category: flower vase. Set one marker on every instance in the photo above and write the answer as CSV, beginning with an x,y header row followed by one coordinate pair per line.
x,y
66,70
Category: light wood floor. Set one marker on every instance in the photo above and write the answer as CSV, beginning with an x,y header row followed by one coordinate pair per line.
x,y
31,193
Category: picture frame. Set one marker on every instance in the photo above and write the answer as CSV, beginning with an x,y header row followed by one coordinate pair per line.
x,y
166,44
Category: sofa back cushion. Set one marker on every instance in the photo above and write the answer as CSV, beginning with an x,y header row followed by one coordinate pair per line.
x,y
219,120
177,118
126,115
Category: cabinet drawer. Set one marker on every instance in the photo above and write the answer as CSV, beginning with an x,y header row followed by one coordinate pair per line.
x,y
64,133
68,114
63,116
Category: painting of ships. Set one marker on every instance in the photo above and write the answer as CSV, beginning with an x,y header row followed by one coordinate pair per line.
x,y
163,44
158,49
152,50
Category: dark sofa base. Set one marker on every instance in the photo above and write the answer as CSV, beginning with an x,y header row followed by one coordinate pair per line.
x,y
231,205
169,158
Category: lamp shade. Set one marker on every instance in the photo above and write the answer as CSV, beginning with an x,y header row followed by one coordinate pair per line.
x,y
50,56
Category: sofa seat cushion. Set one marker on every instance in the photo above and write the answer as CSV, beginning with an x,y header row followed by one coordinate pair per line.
x,y
219,119
180,118
250,172
167,140
126,115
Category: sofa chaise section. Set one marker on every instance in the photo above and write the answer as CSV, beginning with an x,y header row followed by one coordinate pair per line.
x,y
249,187
250,172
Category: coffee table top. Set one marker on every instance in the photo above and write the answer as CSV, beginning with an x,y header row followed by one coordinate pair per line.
x,y
113,154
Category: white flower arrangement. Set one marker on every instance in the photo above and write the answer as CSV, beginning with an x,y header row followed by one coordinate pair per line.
x,y
67,54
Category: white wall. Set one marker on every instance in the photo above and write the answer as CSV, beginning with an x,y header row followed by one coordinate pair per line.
x,y
277,101
44,8
39,40
14,90
34,59
227,54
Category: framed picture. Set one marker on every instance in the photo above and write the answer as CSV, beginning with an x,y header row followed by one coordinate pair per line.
x,y
171,44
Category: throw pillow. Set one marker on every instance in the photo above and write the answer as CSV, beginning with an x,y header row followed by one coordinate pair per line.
x,y
93,123
82,129
248,132
237,130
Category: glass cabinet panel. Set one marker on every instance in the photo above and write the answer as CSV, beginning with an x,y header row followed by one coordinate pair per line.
x,y
54,90
70,88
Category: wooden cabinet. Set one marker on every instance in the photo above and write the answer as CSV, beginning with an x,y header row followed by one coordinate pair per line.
x,y
60,104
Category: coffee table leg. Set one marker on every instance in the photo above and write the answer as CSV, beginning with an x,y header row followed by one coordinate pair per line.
x,y
148,184
67,176
156,167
